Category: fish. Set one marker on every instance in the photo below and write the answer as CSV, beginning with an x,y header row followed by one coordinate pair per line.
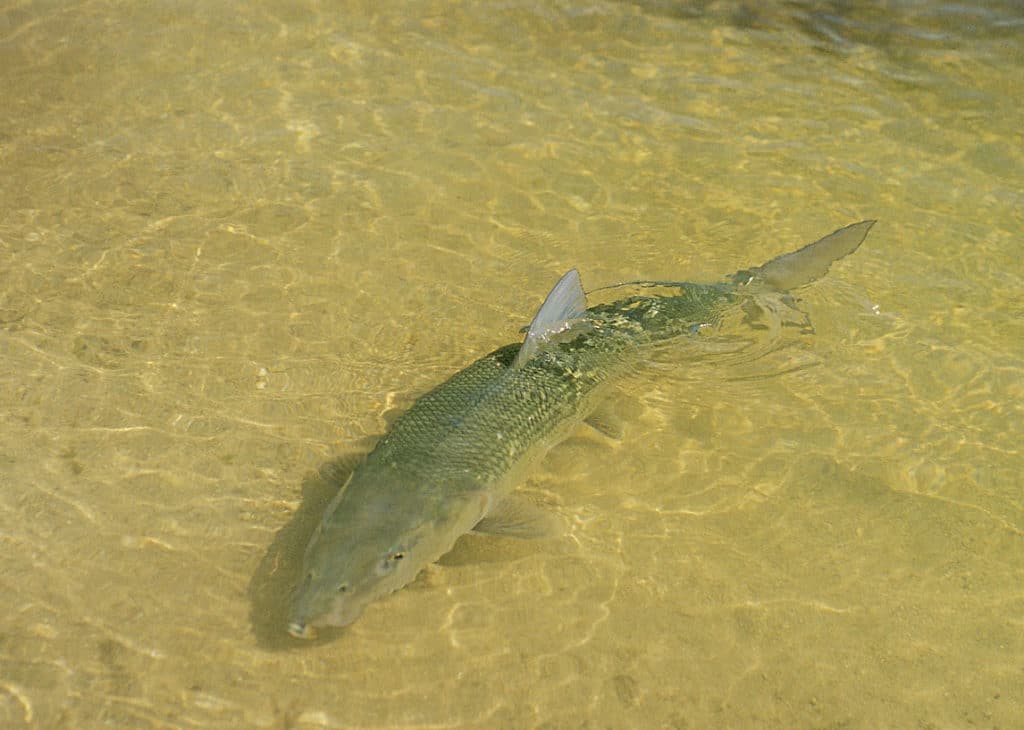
x,y
450,464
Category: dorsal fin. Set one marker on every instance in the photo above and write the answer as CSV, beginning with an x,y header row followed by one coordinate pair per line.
x,y
564,304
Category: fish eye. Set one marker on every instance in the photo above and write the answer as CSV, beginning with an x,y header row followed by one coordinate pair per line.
x,y
390,562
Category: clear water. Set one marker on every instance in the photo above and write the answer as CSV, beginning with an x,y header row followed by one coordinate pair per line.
x,y
236,238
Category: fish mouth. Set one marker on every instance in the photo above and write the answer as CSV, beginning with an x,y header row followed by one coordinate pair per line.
x,y
304,625
301,630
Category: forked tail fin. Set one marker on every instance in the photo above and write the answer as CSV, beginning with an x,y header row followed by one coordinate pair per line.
x,y
795,269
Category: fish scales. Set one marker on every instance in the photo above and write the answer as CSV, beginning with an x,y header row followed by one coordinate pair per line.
x,y
486,417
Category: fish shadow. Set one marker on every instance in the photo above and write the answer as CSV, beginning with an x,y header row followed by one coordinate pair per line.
x,y
280,570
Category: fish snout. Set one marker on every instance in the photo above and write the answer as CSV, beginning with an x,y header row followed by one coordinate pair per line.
x,y
301,630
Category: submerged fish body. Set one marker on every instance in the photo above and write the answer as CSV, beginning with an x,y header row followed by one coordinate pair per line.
x,y
450,463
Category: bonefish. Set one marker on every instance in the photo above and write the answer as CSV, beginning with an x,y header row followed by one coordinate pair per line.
x,y
450,463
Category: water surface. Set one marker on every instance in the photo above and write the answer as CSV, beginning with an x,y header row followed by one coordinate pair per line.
x,y
237,238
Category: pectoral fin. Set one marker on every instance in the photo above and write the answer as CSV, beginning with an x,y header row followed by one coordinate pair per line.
x,y
517,517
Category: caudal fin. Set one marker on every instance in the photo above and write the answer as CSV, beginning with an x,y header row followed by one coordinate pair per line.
x,y
795,269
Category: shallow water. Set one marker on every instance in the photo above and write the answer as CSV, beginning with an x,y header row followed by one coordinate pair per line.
x,y
236,239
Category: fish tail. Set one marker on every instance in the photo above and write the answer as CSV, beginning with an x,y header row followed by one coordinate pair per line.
x,y
801,267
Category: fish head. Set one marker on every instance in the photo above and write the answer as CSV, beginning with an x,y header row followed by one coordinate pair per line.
x,y
363,551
